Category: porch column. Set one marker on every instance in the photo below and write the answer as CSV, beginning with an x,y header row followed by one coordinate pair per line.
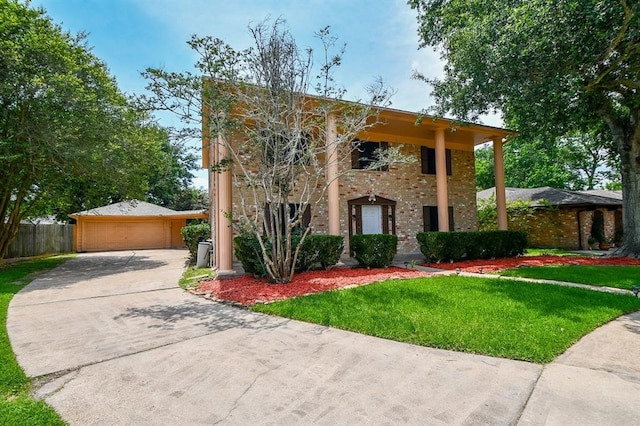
x,y
333,191
213,201
441,182
501,198
224,243
209,150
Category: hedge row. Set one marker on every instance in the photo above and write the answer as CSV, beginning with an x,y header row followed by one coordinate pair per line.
x,y
323,250
455,246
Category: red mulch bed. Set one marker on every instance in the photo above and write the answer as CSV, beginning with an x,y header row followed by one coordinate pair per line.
x,y
493,265
247,290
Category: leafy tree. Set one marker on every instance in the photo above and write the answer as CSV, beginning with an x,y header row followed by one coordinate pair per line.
x,y
485,177
273,131
551,67
144,160
68,137
580,160
190,199
592,155
529,165
171,173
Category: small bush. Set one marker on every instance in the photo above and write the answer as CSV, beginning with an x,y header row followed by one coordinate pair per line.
x,y
316,249
322,249
373,250
248,252
192,234
456,246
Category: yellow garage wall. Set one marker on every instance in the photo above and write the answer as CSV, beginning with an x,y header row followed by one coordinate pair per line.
x,y
106,233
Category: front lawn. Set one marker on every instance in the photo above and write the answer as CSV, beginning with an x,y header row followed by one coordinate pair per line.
x,y
549,251
623,277
192,276
17,407
488,316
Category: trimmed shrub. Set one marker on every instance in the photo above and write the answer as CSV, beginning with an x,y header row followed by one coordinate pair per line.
x,y
373,250
439,246
316,249
248,252
193,234
322,249
515,243
456,246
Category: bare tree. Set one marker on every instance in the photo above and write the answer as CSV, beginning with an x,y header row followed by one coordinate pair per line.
x,y
257,105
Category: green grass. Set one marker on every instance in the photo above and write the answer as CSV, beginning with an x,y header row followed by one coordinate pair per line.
x,y
623,277
495,317
17,407
549,251
193,275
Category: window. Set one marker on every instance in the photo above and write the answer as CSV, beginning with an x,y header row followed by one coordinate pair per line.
x,y
363,154
428,160
294,210
430,218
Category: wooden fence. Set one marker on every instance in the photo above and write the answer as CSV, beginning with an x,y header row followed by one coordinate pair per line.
x,y
35,240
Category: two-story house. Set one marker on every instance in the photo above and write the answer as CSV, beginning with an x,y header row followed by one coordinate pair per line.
x,y
436,193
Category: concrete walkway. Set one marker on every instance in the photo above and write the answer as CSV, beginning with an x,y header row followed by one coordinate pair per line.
x,y
111,339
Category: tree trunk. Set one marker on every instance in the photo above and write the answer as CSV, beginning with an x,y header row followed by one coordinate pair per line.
x,y
627,138
9,229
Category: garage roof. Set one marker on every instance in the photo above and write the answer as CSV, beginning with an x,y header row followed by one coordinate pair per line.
x,y
137,208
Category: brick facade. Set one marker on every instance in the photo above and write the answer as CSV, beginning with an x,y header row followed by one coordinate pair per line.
x,y
567,227
408,187
411,190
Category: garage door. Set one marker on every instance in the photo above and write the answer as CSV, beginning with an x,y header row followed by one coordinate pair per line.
x,y
125,235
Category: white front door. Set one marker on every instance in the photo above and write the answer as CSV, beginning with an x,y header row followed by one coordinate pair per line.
x,y
371,219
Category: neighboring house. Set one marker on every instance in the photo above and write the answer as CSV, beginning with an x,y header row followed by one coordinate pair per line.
x,y
435,193
131,225
562,218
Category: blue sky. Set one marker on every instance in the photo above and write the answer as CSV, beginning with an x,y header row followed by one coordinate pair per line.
x,y
131,35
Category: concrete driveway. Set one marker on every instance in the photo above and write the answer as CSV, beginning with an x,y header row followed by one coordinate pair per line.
x,y
111,339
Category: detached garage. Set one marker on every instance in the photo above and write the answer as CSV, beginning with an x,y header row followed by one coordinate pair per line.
x,y
131,225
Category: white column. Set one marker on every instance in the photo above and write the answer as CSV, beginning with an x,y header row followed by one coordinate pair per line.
x,y
333,190
441,182
213,201
224,242
501,197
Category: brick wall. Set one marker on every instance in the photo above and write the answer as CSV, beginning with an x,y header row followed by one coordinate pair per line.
x,y
554,229
567,228
411,190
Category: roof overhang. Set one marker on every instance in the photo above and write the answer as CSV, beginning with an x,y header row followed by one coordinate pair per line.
x,y
404,127
416,129
179,215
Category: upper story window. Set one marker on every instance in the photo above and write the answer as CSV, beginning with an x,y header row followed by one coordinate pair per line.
x,y
428,160
363,154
